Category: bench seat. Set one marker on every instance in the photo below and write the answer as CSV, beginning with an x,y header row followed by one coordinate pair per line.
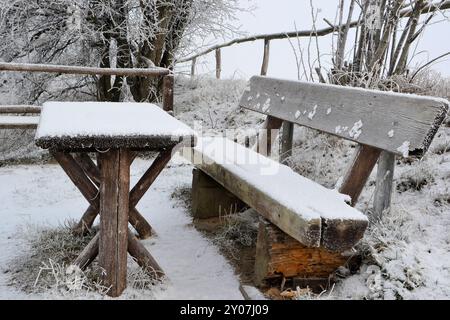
x,y
19,122
310,213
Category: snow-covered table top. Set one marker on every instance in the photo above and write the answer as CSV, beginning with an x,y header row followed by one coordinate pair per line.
x,y
85,125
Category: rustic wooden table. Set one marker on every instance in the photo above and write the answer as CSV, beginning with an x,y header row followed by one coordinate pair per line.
x,y
115,132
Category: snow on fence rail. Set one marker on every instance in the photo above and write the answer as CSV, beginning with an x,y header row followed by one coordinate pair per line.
x,y
5,122
24,67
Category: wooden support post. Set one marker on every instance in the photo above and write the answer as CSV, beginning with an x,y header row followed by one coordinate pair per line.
x,y
88,254
89,167
86,164
279,255
383,190
194,62
218,63
265,139
78,177
115,176
143,258
287,137
168,86
361,166
149,177
210,198
265,63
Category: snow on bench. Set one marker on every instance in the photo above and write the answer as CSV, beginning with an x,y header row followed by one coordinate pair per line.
x,y
310,213
109,125
18,122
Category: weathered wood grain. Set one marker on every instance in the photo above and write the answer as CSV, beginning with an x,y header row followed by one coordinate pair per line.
x,y
88,254
379,119
88,166
143,258
287,138
265,63
279,255
149,177
78,177
114,219
306,231
359,170
22,109
383,189
26,67
141,225
168,94
267,135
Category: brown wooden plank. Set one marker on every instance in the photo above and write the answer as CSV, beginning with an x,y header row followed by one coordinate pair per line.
x,y
384,120
88,254
141,225
114,219
149,177
305,230
123,205
88,166
22,109
279,255
77,175
143,257
168,94
360,167
129,72
339,235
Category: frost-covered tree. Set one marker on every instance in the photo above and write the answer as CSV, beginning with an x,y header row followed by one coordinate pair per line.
x,y
106,33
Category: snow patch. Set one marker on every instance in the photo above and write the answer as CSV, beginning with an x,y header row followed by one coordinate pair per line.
x,y
312,113
266,105
356,131
391,133
328,111
404,148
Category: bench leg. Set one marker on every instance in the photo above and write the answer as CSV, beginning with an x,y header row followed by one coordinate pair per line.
x,y
210,199
383,190
114,207
279,255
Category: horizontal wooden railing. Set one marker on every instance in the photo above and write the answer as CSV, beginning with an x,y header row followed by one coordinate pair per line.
x,y
20,116
267,38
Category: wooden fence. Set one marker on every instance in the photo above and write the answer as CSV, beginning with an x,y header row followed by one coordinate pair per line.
x,y
267,38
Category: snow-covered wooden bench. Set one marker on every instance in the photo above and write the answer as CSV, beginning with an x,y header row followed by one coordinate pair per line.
x,y
320,223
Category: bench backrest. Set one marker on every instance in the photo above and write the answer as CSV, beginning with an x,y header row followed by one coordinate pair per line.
x,y
402,124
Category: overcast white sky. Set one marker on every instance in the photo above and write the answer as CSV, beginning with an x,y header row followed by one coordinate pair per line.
x,y
244,60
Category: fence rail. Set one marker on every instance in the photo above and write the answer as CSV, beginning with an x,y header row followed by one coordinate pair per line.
x,y
406,12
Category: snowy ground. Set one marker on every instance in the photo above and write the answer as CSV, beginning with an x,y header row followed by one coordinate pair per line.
x,y
406,256
43,195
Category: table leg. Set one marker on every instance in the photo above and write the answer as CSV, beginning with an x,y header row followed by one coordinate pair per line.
x,y
114,207
91,170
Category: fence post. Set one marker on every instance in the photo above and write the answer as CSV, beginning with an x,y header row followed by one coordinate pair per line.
x,y
265,63
287,136
194,61
168,84
218,63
